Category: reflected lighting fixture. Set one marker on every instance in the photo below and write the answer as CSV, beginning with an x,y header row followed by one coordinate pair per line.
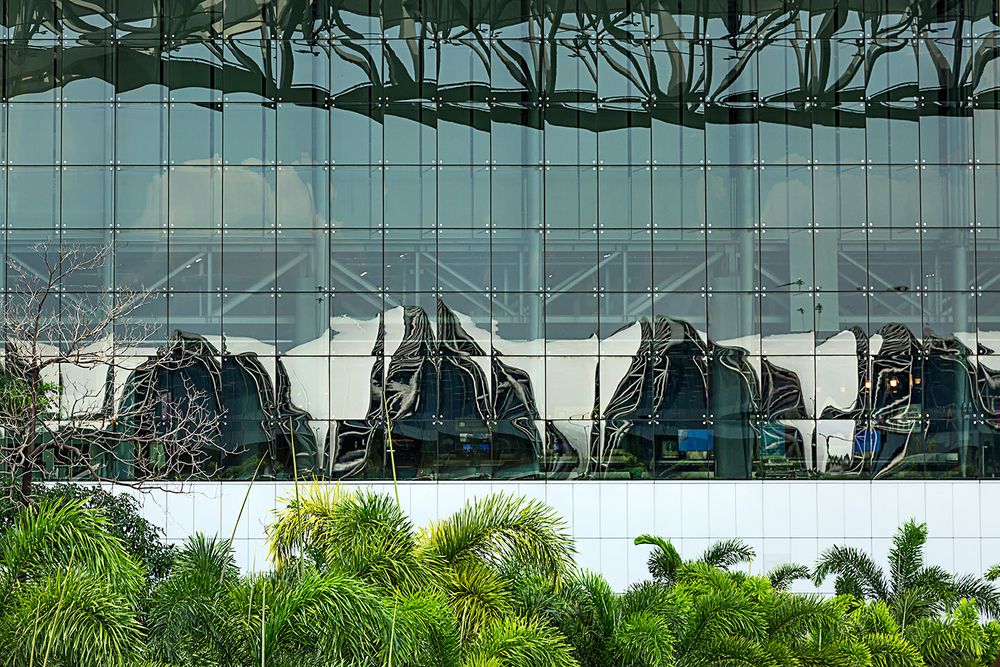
x,y
916,380
893,382
868,384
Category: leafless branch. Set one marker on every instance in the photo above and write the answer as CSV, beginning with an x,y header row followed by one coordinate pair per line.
x,y
83,391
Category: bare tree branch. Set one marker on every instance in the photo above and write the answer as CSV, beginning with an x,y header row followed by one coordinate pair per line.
x,y
83,391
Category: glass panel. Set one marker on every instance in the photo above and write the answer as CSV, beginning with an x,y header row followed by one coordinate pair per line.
x,y
195,134
141,197
33,133
517,194
249,134
88,197
87,133
356,259
33,197
195,196
303,134
464,197
249,198
463,260
356,197
303,197
141,133
195,260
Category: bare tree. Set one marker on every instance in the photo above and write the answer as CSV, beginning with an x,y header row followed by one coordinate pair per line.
x,y
84,389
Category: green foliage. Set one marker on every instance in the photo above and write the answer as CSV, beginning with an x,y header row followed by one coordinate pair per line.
x,y
517,642
782,576
499,530
911,590
17,398
69,617
71,589
356,584
190,614
665,560
364,534
141,539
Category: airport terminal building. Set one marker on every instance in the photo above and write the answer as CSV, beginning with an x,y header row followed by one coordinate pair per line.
x,y
702,268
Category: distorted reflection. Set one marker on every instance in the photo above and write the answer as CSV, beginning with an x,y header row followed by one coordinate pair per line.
x,y
653,240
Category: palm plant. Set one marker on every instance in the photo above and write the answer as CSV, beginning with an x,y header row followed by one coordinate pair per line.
x,y
71,589
362,533
190,616
911,590
463,558
513,641
665,561
636,628
205,613
285,618
707,616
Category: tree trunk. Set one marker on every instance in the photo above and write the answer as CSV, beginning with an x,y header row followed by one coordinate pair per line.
x,y
26,478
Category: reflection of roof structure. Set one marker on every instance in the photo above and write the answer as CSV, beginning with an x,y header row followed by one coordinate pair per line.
x,y
672,63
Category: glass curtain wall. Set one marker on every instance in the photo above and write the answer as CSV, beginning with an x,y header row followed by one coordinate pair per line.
x,y
631,240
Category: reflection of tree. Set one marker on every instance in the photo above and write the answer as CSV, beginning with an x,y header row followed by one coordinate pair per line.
x,y
82,387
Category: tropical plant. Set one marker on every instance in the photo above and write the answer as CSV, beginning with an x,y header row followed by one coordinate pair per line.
x,y
462,557
912,590
357,584
143,541
665,561
71,589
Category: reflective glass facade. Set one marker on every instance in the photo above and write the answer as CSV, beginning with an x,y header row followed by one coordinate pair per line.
x,y
627,240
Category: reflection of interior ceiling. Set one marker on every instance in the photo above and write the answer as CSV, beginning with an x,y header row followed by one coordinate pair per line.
x,y
670,62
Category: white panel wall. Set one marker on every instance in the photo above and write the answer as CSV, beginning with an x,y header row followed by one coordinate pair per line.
x,y
784,521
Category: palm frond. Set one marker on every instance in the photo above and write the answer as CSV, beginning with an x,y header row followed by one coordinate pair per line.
x,y
511,641
587,616
822,651
955,639
993,573
70,616
730,651
874,618
424,631
664,559
478,596
189,618
719,610
914,603
650,597
329,615
533,596
906,556
361,533
61,530
728,553
934,579
600,595
643,638
891,650
855,572
983,593
503,528
782,576
791,616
